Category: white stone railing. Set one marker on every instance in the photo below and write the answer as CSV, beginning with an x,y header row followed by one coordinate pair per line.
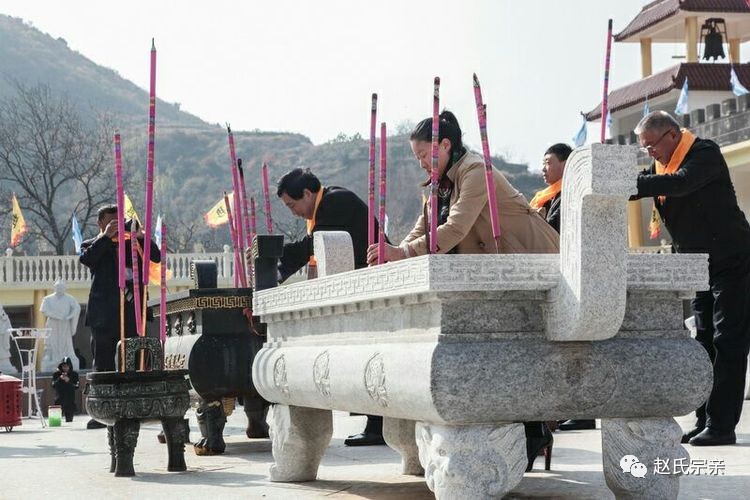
x,y
43,271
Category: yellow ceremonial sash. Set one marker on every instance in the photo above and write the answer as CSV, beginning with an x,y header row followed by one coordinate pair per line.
x,y
311,221
546,194
683,147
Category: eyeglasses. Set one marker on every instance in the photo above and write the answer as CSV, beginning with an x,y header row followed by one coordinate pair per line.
x,y
650,149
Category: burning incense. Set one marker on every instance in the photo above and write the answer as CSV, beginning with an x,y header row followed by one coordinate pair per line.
x,y
605,97
239,275
149,173
246,219
163,286
237,199
371,181
136,278
489,177
120,244
434,170
267,197
381,215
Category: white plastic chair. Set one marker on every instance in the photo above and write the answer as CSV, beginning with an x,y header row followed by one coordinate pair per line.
x,y
27,341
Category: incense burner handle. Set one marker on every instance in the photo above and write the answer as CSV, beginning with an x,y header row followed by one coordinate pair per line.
x,y
133,346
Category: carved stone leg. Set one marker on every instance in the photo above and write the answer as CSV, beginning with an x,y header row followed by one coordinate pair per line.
x,y
175,432
256,410
112,448
299,438
126,438
211,421
645,440
471,461
399,435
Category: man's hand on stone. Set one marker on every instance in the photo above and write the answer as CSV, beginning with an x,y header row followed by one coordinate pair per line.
x,y
391,254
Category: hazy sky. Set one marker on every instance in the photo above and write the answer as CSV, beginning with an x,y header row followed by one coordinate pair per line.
x,y
310,66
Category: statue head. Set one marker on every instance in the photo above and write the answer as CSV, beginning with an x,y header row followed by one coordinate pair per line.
x,y
60,287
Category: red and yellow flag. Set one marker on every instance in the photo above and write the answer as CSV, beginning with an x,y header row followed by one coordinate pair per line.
x,y
18,224
218,213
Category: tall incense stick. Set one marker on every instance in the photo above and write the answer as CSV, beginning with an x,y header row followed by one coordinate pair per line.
x,y
163,286
237,199
434,170
120,244
239,275
150,170
381,214
488,174
253,226
267,198
246,219
371,178
605,97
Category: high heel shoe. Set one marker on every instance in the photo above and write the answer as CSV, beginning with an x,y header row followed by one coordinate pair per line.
x,y
536,445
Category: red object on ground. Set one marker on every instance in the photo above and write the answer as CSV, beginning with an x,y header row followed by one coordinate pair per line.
x,y
10,402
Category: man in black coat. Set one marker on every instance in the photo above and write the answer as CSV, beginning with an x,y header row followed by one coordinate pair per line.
x,y
695,198
327,209
99,254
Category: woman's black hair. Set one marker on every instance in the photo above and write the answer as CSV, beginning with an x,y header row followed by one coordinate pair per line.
x,y
296,181
449,129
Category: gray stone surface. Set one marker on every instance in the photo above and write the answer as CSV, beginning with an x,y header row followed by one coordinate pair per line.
x,y
472,461
466,343
333,252
589,302
300,437
646,440
399,435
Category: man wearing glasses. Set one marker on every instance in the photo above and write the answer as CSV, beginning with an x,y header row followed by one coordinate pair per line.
x,y
694,196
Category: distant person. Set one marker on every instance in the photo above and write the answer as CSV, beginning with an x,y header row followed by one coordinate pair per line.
x,y
550,198
464,225
329,208
103,309
693,193
65,383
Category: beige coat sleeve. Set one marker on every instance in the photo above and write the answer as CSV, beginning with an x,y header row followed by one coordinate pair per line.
x,y
418,229
472,198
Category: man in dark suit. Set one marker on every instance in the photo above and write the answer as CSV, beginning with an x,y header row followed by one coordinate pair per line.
x,y
99,254
327,209
693,193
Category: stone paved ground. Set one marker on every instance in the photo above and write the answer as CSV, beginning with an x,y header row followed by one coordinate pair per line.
x,y
72,462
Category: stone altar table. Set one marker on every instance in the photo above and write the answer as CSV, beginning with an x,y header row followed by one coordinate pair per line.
x,y
454,350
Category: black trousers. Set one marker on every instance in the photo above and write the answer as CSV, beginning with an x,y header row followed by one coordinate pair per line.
x,y
722,320
104,346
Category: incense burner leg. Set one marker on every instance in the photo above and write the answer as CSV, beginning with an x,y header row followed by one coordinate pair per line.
x,y
112,448
175,432
630,450
211,421
126,437
299,438
399,435
256,410
471,461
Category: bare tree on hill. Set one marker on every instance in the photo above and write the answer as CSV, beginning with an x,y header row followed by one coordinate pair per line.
x,y
55,162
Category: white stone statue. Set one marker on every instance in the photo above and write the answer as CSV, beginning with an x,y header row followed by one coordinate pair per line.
x,y
62,311
5,325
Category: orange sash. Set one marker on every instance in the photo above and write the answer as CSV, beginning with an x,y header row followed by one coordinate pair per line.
x,y
682,149
546,194
311,222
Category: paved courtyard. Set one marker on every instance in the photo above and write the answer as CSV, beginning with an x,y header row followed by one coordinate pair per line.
x,y
72,462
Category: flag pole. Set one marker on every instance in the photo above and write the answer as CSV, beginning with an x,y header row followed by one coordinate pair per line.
x,y
434,169
371,179
120,244
488,173
381,215
605,104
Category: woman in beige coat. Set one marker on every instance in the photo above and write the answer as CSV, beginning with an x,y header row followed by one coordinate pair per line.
x,y
464,223
464,214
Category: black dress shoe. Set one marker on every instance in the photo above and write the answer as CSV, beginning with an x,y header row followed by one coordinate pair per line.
x,y
691,434
712,437
577,425
364,439
95,424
